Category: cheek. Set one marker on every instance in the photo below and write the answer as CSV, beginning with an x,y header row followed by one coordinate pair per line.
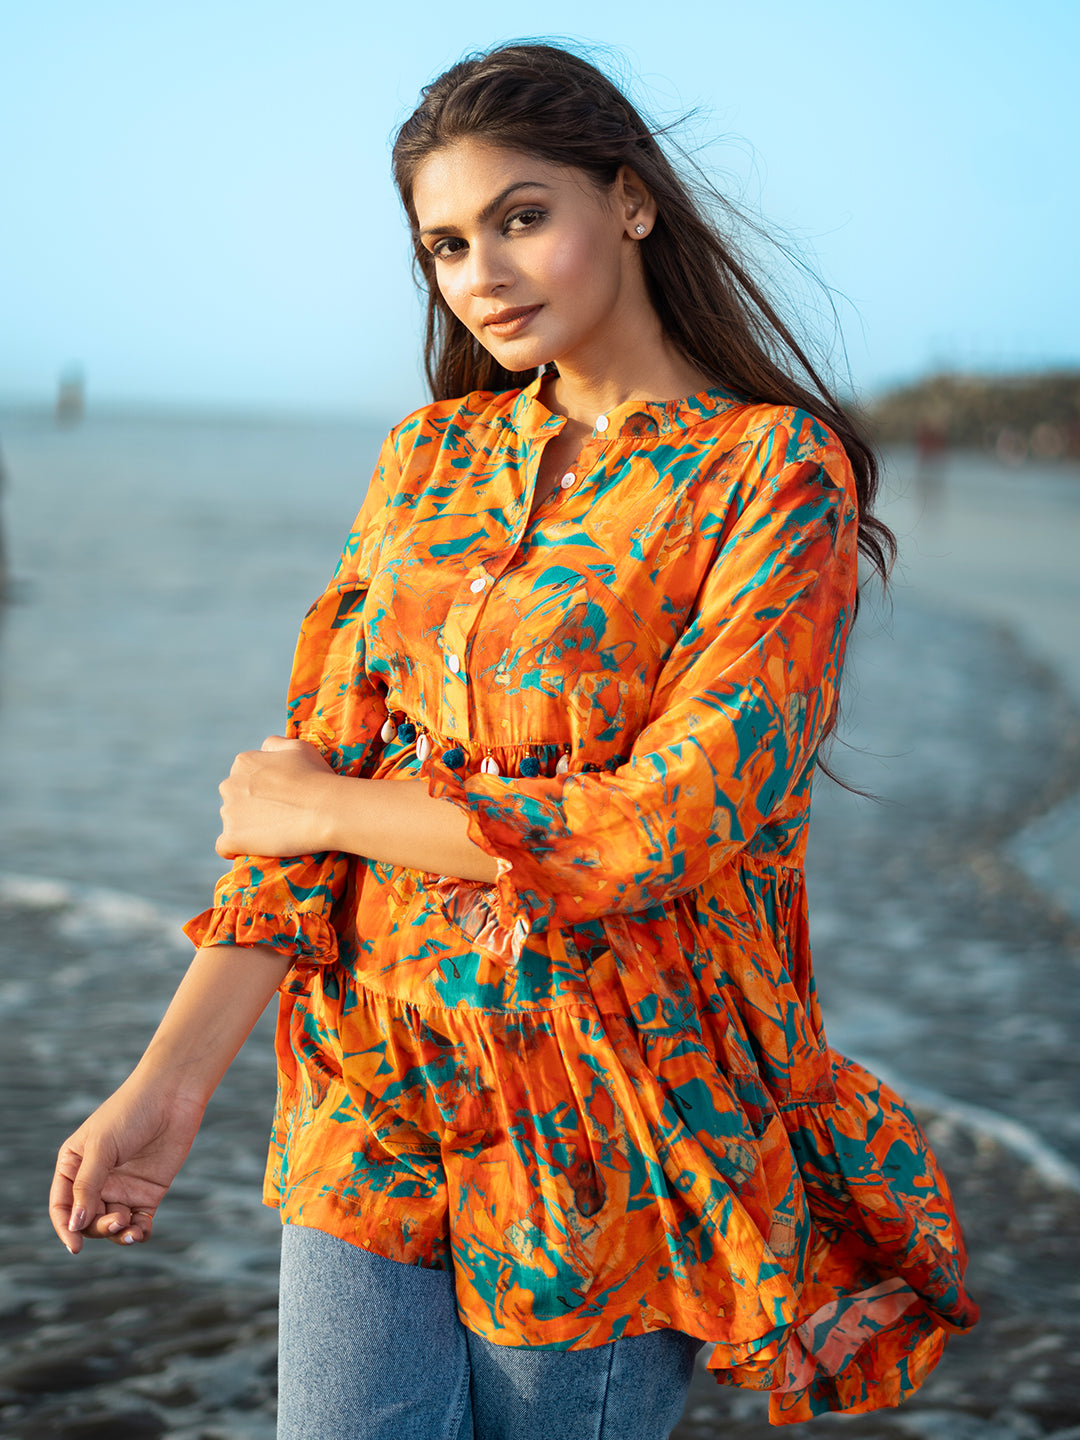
x,y
580,264
452,291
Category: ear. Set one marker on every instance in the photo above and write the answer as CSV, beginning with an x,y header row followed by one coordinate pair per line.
x,y
636,206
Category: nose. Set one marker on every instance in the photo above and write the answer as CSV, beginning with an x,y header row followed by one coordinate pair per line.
x,y
489,270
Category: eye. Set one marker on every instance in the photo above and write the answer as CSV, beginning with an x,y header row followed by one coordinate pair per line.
x,y
448,247
526,219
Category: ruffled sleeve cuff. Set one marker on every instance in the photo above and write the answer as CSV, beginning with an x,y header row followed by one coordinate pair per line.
x,y
302,936
285,904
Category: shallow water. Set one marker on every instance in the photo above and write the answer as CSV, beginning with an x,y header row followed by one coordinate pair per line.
x,y
161,569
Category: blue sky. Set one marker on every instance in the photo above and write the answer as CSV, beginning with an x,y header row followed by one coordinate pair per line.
x,y
197,206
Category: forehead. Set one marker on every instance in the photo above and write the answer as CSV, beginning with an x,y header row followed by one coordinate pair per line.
x,y
461,178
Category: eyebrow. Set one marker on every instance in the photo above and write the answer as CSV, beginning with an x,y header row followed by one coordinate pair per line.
x,y
490,208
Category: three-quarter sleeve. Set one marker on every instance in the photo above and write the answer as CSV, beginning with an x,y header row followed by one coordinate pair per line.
x,y
333,704
742,703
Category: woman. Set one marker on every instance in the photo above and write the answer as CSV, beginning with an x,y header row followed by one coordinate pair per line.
x,y
555,1103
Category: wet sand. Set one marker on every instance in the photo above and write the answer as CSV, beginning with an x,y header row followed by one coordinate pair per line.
x,y
175,1338
940,960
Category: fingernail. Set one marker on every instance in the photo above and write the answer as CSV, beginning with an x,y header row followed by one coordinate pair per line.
x,y
78,1218
128,1240
115,1227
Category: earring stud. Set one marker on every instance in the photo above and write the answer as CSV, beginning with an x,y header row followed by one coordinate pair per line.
x,y
639,229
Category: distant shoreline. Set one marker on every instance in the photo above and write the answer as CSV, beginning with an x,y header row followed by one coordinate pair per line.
x,y
1014,416
160,412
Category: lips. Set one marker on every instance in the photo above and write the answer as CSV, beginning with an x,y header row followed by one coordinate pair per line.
x,y
510,322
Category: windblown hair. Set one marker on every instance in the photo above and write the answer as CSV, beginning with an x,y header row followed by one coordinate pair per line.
x,y
545,101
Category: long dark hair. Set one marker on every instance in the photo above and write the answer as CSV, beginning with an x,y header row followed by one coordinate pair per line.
x,y
545,101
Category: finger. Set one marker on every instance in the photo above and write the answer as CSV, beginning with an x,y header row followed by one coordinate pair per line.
x,y
74,1198
139,1229
107,1226
123,1225
61,1197
86,1189
116,1217
279,742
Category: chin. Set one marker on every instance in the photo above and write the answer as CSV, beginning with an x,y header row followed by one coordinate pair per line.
x,y
528,353
519,358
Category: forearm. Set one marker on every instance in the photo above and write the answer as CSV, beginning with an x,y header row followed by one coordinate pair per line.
x,y
212,1013
397,822
285,800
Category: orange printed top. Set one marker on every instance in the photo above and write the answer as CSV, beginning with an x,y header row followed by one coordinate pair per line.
x,y
599,1089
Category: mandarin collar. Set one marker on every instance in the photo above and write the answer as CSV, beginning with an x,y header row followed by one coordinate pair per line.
x,y
635,419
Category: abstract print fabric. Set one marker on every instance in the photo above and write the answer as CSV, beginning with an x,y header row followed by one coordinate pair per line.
x,y
599,1089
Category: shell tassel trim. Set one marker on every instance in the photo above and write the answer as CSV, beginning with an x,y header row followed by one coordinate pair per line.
x,y
542,759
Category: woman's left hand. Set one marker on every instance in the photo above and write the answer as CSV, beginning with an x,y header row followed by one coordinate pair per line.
x,y
274,801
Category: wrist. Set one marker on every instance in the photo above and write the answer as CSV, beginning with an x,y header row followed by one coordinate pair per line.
x,y
332,798
172,1079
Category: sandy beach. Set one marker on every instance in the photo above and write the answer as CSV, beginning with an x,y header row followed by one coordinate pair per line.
x,y
944,919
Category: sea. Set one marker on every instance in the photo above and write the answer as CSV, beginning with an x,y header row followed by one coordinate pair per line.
x,y
158,569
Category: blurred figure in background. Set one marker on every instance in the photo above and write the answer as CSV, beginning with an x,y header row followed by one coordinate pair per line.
x,y
71,396
931,449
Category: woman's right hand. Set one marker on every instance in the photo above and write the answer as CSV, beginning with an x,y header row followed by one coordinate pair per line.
x,y
113,1172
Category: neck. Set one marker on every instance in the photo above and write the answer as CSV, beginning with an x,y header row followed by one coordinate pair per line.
x,y
586,387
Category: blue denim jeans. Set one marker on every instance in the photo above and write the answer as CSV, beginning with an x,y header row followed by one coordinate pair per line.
x,y
371,1349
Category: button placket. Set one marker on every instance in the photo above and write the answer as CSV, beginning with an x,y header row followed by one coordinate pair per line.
x,y
453,702
453,717
464,618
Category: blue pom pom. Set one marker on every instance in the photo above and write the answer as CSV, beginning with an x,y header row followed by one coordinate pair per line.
x,y
454,757
406,732
530,766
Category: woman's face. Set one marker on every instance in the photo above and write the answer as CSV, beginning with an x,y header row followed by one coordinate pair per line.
x,y
531,257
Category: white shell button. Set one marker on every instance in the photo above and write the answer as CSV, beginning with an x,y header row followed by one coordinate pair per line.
x,y
455,664
567,480
602,422
476,586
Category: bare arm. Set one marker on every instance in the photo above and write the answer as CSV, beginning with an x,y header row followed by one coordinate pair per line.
x,y
399,823
113,1172
285,800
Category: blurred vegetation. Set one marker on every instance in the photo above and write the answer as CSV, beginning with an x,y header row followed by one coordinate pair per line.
x,y
1012,415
